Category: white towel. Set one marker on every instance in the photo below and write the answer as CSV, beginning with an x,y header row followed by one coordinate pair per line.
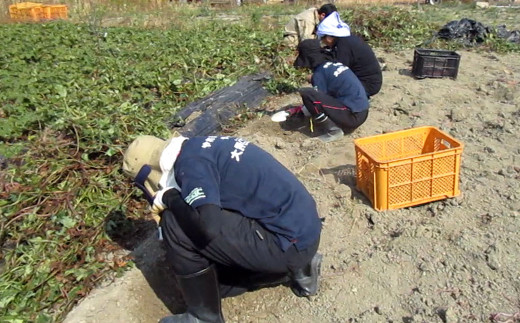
x,y
332,25
168,157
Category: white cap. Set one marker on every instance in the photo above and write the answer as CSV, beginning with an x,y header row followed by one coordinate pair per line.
x,y
332,25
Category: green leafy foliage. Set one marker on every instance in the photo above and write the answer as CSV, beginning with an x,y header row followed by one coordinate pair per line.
x,y
72,97
389,26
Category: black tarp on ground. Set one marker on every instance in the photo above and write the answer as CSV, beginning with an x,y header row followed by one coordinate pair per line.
x,y
470,31
216,109
511,36
467,30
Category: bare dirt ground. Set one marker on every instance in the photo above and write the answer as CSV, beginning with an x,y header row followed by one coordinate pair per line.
x,y
455,260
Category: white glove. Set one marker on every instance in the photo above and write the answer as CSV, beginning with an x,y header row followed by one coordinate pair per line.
x,y
158,206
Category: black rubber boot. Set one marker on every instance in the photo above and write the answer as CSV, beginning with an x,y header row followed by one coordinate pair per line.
x,y
305,281
202,298
331,132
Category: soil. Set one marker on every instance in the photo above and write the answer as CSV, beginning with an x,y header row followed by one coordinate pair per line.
x,y
454,260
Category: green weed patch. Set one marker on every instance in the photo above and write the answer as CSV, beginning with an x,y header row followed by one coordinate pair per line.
x,y
72,97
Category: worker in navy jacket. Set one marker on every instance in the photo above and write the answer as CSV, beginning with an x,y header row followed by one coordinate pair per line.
x,y
232,218
337,101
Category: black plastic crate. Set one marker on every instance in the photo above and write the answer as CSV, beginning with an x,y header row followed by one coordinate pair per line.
x,y
435,63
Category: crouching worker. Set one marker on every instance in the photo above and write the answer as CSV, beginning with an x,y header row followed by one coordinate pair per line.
x,y
337,101
227,207
354,52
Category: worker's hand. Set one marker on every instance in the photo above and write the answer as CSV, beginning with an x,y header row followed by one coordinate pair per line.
x,y
158,205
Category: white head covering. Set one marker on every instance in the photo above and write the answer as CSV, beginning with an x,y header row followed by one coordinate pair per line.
x,y
332,25
168,157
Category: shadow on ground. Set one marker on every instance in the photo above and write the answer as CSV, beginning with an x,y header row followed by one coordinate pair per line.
x,y
140,237
346,174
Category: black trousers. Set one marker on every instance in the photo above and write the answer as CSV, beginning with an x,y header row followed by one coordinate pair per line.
x,y
243,245
318,102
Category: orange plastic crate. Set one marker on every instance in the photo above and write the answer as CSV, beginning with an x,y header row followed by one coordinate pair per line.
x,y
32,11
55,11
26,11
408,167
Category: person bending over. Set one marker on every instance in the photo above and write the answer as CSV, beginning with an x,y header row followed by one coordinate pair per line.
x,y
232,217
354,52
303,25
337,101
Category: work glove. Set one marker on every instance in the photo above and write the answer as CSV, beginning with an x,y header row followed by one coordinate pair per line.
x,y
158,205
